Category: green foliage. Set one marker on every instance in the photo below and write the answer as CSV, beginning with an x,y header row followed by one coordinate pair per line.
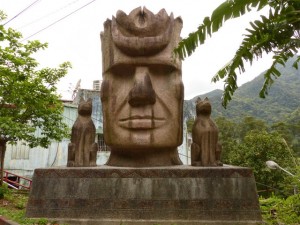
x,y
277,33
276,210
295,180
28,98
251,143
3,191
13,205
282,103
189,124
250,124
259,147
280,112
228,137
284,130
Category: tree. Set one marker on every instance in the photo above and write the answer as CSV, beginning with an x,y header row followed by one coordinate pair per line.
x,y
250,123
250,143
294,126
277,33
28,98
284,130
231,134
257,148
189,124
227,136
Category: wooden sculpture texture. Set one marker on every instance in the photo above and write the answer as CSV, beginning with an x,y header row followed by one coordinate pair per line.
x,y
82,151
205,147
142,89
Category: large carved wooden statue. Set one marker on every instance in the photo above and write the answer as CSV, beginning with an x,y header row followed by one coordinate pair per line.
x,y
205,148
142,89
82,151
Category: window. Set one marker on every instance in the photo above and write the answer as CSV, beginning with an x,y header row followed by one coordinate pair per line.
x,y
102,147
19,151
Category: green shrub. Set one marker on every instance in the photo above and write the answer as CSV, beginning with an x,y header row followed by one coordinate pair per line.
x,y
276,210
3,190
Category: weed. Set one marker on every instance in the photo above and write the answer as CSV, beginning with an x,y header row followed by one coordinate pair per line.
x,y
3,191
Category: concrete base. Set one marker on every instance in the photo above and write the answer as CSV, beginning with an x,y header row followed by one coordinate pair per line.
x,y
181,195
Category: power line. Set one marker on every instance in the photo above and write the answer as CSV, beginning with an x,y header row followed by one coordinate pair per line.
x,y
72,120
272,188
184,155
59,20
47,15
22,11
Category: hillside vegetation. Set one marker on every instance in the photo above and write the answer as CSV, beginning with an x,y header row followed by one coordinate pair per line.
x,y
281,104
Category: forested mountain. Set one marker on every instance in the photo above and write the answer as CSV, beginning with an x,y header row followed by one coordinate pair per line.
x,y
282,103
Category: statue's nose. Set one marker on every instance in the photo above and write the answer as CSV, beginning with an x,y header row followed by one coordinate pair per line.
x,y
142,92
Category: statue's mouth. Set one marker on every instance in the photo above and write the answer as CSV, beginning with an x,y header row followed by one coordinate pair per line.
x,y
141,122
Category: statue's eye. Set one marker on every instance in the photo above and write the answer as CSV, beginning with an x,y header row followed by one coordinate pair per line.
x,y
159,69
123,70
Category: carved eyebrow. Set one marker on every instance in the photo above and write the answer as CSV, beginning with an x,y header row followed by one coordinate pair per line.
x,y
127,70
122,69
162,68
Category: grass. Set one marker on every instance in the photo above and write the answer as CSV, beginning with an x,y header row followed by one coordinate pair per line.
x,y
13,207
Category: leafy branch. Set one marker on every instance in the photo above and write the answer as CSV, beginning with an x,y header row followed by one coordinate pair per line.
x,y
278,34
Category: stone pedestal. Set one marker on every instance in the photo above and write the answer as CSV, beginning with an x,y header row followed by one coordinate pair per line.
x,y
180,195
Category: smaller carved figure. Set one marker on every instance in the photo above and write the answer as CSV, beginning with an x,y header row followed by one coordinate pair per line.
x,y
205,149
82,151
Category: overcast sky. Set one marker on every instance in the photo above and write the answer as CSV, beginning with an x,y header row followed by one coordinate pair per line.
x,y
75,36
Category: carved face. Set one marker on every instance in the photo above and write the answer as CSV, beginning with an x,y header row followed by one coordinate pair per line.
x,y
142,91
85,107
142,107
203,107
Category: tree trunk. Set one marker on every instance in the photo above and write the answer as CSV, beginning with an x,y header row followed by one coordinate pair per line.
x,y
2,155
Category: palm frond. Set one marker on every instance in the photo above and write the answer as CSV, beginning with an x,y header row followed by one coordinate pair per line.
x,y
295,64
227,10
277,33
272,34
